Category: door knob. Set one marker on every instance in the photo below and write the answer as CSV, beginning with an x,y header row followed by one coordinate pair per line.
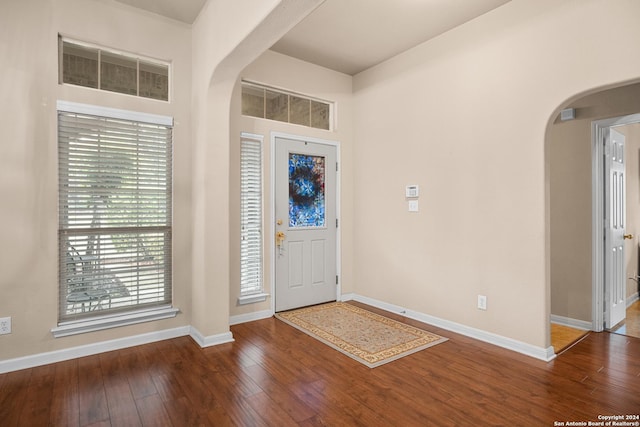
x,y
628,236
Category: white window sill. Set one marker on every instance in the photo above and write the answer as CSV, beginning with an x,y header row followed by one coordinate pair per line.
x,y
252,299
113,321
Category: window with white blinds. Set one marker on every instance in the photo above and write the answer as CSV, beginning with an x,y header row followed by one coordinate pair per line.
x,y
114,212
251,216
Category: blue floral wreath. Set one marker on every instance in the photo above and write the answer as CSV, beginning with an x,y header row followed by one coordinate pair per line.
x,y
306,191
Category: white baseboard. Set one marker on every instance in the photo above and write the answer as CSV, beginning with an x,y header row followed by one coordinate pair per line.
x,y
250,317
208,341
40,359
541,353
573,323
89,349
347,297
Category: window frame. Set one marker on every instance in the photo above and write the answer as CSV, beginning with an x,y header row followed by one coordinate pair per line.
x,y
134,313
140,60
285,115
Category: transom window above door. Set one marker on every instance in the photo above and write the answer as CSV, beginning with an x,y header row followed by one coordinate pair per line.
x,y
275,104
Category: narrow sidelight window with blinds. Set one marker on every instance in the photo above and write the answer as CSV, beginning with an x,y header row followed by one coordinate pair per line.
x,y
251,216
114,213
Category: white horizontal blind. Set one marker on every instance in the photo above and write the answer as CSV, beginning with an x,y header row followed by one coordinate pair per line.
x,y
114,214
251,216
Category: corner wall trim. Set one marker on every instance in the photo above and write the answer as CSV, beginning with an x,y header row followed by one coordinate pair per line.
x,y
541,353
40,359
211,340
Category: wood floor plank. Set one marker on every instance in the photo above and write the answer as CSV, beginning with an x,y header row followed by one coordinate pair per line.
x,y
275,375
181,413
280,394
153,412
120,400
122,406
270,412
193,388
564,336
13,395
92,396
231,394
168,386
135,368
37,405
65,406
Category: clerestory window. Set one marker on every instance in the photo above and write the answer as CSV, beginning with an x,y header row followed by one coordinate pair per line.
x,y
275,104
83,64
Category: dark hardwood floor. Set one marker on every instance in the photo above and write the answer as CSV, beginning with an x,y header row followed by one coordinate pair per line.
x,y
275,375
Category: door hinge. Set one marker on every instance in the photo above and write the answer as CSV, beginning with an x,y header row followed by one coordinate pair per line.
x,y
336,279
336,222
337,167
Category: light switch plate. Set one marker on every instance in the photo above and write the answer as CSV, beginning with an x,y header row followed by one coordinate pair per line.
x,y
482,302
413,206
412,191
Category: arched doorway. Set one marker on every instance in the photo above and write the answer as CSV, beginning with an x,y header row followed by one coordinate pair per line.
x,y
571,186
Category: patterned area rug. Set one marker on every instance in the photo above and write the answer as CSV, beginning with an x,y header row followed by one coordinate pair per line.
x,y
360,334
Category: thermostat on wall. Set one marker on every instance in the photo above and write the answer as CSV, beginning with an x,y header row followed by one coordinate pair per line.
x,y
412,191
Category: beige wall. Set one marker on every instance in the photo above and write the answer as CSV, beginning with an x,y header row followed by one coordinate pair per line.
x,y
569,147
284,72
206,59
28,155
465,116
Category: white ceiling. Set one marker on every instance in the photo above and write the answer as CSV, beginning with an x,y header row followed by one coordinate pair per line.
x,y
181,10
352,35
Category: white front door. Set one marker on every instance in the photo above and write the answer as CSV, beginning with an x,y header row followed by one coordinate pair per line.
x,y
615,270
305,223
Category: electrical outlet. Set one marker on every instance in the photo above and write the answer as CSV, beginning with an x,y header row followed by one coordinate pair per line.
x,y
5,325
482,302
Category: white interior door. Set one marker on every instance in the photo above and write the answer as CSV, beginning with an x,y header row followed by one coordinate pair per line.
x,y
305,223
615,220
